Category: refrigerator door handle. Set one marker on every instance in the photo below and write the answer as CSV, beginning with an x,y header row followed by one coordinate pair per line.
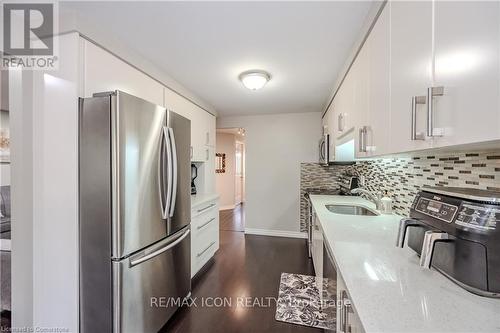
x,y
146,257
173,187
169,172
161,175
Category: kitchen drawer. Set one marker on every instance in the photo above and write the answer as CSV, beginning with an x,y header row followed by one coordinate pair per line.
x,y
201,256
204,208
205,234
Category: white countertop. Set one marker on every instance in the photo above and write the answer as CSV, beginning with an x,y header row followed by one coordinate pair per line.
x,y
199,199
389,290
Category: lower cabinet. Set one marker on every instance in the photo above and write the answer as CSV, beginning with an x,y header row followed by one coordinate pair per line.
x,y
317,247
326,268
204,234
347,318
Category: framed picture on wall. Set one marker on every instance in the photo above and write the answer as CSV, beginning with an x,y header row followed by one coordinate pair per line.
x,y
220,163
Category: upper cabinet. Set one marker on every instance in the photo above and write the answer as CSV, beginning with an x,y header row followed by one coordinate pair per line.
x,y
102,71
358,114
202,124
467,66
378,136
428,75
410,71
105,72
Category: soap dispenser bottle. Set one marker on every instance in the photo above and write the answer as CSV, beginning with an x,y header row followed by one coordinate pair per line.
x,y
386,203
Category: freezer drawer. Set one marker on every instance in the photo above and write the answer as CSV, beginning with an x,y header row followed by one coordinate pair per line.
x,y
150,284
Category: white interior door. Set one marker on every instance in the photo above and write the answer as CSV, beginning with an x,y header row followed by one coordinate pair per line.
x,y
239,180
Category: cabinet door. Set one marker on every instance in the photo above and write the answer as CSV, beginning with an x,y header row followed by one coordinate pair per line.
x,y
358,117
332,124
411,68
199,122
467,57
379,139
347,319
209,169
345,107
210,124
317,254
105,72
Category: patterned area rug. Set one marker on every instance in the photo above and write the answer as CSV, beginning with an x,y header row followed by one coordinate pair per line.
x,y
307,300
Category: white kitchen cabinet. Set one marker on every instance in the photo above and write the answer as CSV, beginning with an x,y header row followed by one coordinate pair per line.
x,y
378,120
317,247
202,124
347,319
209,169
177,103
332,124
204,233
103,72
358,114
210,134
345,106
411,70
467,65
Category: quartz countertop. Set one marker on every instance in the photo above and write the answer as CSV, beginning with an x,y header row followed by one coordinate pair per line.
x,y
389,289
199,199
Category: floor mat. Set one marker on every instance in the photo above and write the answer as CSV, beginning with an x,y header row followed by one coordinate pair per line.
x,y
307,300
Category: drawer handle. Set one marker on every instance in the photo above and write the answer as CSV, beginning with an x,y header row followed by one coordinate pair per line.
x,y
205,208
204,224
207,248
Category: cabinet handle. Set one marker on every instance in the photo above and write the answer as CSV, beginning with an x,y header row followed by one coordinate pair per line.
x,y
207,157
205,208
362,139
347,307
191,152
344,311
205,250
206,223
208,138
431,93
341,122
415,100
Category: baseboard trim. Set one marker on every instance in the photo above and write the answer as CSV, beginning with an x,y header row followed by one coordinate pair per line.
x,y
276,233
227,207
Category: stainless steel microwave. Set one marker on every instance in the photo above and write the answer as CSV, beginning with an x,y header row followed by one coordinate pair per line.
x,y
324,150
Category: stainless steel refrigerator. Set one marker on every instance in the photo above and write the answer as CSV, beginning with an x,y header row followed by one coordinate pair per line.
x,y
135,213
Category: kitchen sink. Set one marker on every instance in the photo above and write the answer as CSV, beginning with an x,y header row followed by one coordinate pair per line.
x,y
351,210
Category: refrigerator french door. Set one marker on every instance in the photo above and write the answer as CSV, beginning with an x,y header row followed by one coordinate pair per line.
x,y
134,174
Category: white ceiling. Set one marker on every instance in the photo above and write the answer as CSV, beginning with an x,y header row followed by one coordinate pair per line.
x,y
206,45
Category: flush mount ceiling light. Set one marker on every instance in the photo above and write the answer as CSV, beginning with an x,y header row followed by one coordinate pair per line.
x,y
254,79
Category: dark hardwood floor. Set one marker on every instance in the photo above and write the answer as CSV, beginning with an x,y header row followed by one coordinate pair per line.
x,y
233,219
245,266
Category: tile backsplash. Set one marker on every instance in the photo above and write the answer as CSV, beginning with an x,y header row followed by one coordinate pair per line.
x,y
402,177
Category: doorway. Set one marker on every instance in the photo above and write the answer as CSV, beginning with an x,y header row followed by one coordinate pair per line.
x,y
230,178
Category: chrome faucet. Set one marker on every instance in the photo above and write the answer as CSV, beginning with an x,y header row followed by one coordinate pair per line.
x,y
374,197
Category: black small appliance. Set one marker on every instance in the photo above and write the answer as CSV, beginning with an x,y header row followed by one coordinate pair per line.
x,y
455,230
194,174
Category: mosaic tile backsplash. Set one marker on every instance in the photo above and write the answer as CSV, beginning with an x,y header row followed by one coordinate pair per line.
x,y
403,177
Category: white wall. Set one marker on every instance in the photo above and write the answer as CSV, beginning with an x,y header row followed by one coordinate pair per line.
x,y
275,147
225,182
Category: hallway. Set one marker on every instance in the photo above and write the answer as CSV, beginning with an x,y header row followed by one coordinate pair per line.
x,y
233,219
